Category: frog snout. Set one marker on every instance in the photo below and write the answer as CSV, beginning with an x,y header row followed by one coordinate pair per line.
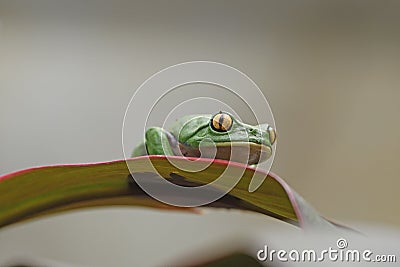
x,y
271,135
254,132
267,134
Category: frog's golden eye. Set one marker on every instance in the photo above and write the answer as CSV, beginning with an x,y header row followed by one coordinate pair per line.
x,y
272,134
221,122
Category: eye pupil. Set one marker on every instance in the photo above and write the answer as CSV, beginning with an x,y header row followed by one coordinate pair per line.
x,y
221,122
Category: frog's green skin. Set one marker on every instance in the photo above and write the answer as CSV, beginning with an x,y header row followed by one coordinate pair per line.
x,y
185,135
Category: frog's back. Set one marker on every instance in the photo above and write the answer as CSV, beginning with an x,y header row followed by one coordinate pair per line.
x,y
191,123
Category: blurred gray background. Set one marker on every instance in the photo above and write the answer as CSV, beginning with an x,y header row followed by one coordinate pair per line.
x,y
330,70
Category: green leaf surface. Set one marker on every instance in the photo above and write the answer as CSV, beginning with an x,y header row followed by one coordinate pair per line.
x,y
46,190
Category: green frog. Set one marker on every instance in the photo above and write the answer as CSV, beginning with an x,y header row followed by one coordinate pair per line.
x,y
219,136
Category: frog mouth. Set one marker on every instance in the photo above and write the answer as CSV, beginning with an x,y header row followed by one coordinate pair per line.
x,y
243,152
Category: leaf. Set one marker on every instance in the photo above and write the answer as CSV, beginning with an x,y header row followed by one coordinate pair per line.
x,y
46,190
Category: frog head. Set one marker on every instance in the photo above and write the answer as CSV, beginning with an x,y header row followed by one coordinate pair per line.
x,y
222,136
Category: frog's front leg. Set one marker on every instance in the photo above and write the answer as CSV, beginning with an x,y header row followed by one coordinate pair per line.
x,y
158,142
